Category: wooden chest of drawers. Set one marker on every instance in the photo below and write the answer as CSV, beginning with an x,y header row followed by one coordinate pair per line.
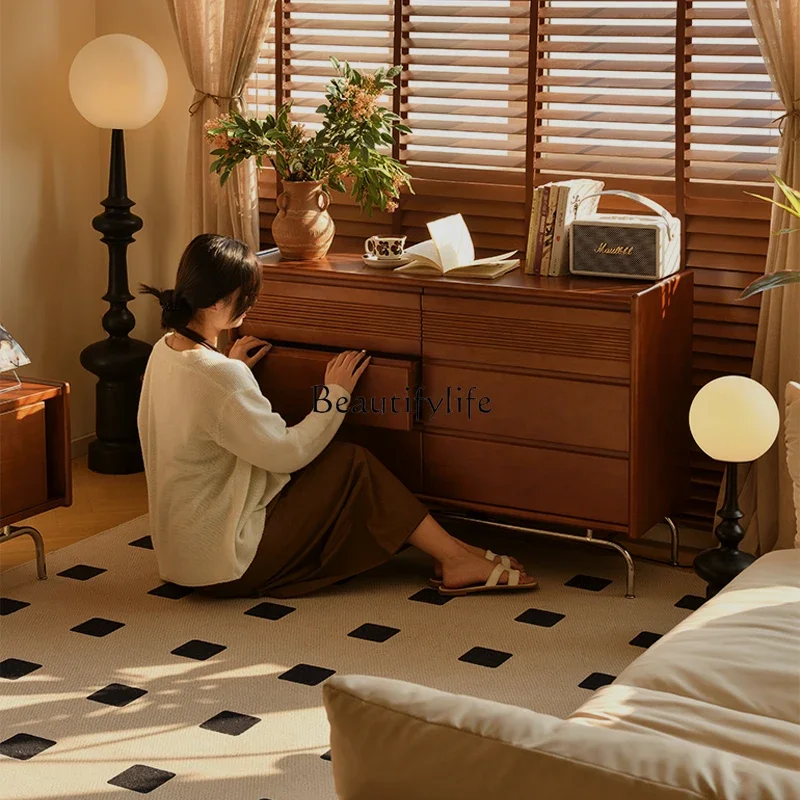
x,y
556,399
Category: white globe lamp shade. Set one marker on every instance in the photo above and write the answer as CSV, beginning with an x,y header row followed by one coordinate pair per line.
x,y
118,81
734,419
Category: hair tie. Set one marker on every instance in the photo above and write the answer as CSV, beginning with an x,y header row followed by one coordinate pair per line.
x,y
170,300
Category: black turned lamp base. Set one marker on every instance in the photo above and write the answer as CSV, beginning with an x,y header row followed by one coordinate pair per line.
x,y
118,361
718,566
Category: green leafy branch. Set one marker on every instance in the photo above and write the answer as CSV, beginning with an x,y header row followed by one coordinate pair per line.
x,y
346,150
783,277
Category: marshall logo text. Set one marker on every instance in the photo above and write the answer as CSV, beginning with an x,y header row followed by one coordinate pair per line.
x,y
619,250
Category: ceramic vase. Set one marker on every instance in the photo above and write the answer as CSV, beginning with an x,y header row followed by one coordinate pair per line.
x,y
303,228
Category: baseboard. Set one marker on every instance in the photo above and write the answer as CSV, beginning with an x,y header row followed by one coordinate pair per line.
x,y
80,446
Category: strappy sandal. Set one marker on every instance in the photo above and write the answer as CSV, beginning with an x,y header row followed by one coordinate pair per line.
x,y
488,555
492,584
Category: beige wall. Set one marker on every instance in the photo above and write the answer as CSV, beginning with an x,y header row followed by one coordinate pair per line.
x,y
54,172
51,261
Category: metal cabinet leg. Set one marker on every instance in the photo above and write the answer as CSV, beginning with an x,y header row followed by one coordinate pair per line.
x,y
11,532
674,541
630,576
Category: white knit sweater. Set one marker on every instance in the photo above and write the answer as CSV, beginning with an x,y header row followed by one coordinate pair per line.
x,y
215,454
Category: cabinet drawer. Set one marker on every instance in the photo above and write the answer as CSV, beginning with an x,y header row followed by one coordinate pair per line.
x,y
23,459
337,316
546,410
552,338
549,482
288,375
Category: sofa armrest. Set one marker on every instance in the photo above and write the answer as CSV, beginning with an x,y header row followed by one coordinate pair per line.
x,y
399,741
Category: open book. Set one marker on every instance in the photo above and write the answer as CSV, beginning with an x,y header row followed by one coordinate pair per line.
x,y
450,252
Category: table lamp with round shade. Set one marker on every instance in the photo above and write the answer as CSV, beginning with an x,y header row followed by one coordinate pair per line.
x,y
735,420
117,82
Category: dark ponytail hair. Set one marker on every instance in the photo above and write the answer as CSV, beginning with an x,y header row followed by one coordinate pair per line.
x,y
212,268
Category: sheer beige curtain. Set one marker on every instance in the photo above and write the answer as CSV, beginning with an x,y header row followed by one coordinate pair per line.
x,y
766,495
220,41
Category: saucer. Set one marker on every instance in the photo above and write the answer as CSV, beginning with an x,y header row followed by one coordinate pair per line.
x,y
388,263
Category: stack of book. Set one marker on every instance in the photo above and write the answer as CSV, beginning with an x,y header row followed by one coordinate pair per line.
x,y
554,207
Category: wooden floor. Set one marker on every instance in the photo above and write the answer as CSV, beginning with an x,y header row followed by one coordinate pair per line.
x,y
99,502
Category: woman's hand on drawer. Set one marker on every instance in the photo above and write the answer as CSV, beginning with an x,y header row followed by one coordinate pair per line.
x,y
345,369
241,347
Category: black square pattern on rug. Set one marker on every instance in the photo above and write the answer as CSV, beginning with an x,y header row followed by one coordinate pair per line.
x,y
13,668
645,639
690,601
23,746
326,756
485,657
272,611
145,542
82,572
588,582
430,596
117,694
141,778
306,674
171,591
230,722
97,626
373,633
596,680
540,617
198,649
8,605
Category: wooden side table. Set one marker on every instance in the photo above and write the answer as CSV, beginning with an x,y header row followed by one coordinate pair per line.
x,y
35,458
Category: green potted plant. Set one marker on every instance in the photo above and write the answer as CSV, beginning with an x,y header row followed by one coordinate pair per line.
x,y
787,276
342,155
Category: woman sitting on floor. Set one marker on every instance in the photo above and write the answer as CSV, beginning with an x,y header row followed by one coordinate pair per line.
x,y
240,503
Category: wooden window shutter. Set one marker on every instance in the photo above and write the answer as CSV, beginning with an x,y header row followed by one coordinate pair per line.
x,y
668,98
729,146
465,99
605,96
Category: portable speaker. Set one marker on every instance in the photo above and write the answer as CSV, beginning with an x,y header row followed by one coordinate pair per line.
x,y
641,247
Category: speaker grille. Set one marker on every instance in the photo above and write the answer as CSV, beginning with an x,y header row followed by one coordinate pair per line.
x,y
612,249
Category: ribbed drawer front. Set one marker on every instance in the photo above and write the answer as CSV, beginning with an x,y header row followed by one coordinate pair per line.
x,y
337,316
550,482
537,409
288,375
552,338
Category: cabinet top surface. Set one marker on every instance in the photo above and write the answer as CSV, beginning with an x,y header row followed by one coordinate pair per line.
x,y
348,267
31,391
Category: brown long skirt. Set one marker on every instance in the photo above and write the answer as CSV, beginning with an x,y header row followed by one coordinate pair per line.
x,y
337,517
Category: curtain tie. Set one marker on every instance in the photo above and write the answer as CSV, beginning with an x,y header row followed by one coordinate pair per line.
x,y
195,106
793,113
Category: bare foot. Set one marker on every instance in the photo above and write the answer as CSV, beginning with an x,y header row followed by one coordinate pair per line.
x,y
479,551
471,570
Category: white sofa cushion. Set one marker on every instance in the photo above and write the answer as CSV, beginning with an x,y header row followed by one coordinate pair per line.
x,y
710,711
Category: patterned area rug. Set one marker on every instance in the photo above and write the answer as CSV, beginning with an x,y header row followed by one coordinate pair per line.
x,y
115,684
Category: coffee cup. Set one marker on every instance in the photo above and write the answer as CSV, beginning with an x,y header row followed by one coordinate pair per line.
x,y
385,247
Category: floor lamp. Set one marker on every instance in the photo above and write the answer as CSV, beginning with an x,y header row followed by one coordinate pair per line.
x,y
117,82
734,420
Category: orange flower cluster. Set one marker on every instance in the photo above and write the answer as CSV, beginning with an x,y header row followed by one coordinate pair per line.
x,y
341,156
218,140
361,99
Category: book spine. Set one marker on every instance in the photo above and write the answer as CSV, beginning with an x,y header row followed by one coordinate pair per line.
x,y
550,230
537,259
533,227
557,266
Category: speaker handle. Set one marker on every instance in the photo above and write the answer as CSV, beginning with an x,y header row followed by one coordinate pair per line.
x,y
638,198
